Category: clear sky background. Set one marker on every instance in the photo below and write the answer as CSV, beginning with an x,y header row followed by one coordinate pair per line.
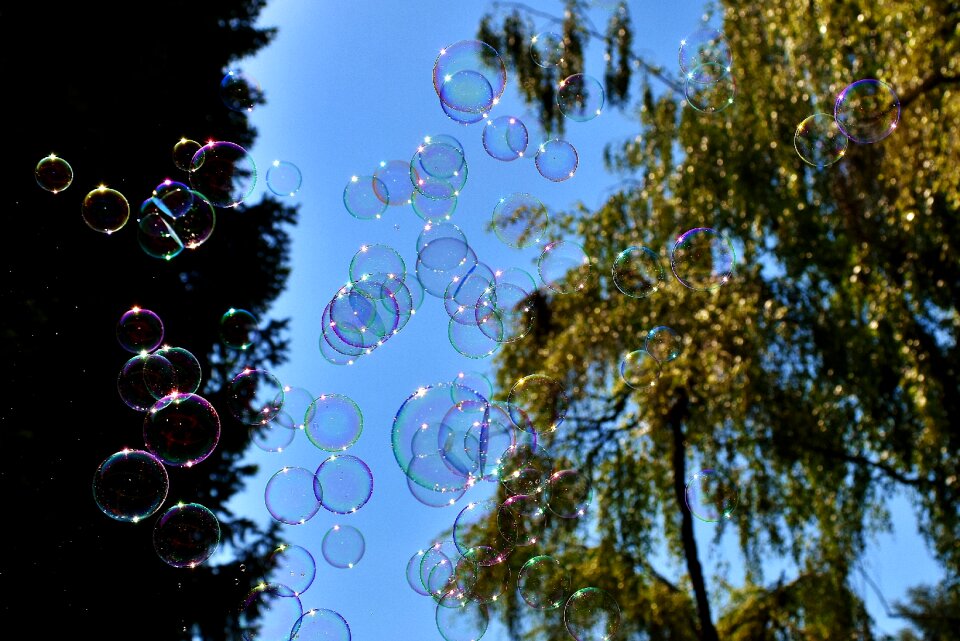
x,y
348,85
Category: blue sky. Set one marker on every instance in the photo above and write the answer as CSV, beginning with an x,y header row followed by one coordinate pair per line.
x,y
348,85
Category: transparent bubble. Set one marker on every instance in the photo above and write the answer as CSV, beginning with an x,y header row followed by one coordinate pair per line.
x,y
157,236
105,210
413,573
53,173
538,400
284,178
366,197
521,519
130,485
543,583
196,224
703,259
547,49
296,407
663,343
181,429
819,141
291,496
183,152
564,267
469,532
240,91
710,97
239,329
580,97
867,110
139,330
186,535
710,496
377,261
556,160
255,396
640,370
705,47
638,272
274,437
334,422
269,612
395,176
346,482
520,220
505,138
469,76
591,614
481,580
224,173
568,493
292,566
343,546
132,385
321,624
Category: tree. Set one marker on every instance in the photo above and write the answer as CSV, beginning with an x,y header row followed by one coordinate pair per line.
x,y
818,380
111,88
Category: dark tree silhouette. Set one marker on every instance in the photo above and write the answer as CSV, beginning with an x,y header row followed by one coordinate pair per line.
x,y
111,87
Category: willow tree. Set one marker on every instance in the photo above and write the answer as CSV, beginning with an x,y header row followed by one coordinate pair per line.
x,y
817,381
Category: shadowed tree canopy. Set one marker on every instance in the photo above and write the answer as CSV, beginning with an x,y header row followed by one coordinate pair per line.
x,y
818,382
111,87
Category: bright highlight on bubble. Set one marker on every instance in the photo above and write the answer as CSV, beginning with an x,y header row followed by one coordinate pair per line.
x,y
105,210
819,141
284,178
703,259
53,173
710,496
580,97
186,535
557,160
867,110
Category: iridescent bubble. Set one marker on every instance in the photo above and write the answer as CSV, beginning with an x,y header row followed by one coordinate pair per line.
x,y
185,371
663,343
580,97
53,173
292,566
346,482
442,246
240,91
710,97
520,220
139,330
469,532
183,153
366,197
477,382
269,613
556,160
413,573
705,47
437,569
433,210
159,375
518,277
547,49
291,495
105,210
274,436
284,178
296,407
591,614
480,579
819,141
468,340
223,172
568,493
181,429
564,267
638,272
469,76
525,468
640,370
461,117
255,396
130,485
361,317
505,138
440,496
196,225
703,259
132,385
377,261
395,176
460,619
463,294
343,546
710,496
321,624
538,400
521,519
438,169
186,535
239,329
867,110
171,198
157,236
543,583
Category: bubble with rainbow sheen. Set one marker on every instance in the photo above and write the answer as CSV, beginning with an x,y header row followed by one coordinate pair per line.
x,y
186,535
293,566
580,97
132,385
638,272
255,396
366,197
343,546
186,369
480,579
240,91
663,343
543,583
461,619
547,49
520,219
157,236
711,496
139,330
505,138
284,178
181,429
345,483
183,153
469,532
521,519
819,141
568,493
640,370
703,259
291,495
239,329
53,173
413,573
438,168
394,175
224,172
565,267
296,407
591,614
557,160
274,436
701,48
105,210
130,485
377,260
538,400
710,97
469,76
867,111
334,422
269,612
321,624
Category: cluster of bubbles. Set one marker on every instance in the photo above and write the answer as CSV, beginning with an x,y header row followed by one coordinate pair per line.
x,y
865,111
450,437
706,63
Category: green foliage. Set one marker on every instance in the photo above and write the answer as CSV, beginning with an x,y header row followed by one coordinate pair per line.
x,y
823,378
